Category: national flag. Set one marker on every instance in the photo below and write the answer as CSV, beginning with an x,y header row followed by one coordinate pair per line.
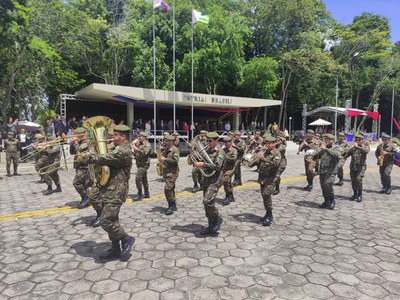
x,y
199,17
160,3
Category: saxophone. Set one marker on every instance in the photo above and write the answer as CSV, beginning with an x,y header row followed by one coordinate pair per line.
x,y
159,164
98,128
381,157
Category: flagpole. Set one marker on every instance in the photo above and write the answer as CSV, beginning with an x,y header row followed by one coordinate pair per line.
x,y
173,54
192,88
154,81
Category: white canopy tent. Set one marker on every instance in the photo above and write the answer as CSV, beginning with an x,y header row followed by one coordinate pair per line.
x,y
320,122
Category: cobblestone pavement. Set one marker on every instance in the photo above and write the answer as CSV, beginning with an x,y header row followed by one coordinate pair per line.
x,y
47,251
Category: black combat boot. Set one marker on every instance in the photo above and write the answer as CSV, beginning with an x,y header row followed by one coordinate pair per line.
x,y
9,174
146,192
16,173
114,252
216,224
277,190
49,190
231,198
58,189
171,208
196,188
206,230
84,202
325,204
359,196
309,187
388,190
227,200
332,203
41,179
340,183
268,217
139,196
383,190
96,222
237,182
126,245
355,195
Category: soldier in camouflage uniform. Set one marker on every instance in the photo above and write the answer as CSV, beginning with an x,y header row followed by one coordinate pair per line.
x,y
114,193
82,180
358,153
240,146
309,145
228,170
387,151
342,159
211,184
40,158
170,160
176,141
52,153
12,146
268,160
329,158
281,146
196,174
141,151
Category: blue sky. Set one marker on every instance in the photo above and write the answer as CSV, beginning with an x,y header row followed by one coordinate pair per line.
x,y
345,10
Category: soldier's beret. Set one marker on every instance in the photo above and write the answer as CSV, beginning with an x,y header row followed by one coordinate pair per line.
x,y
212,135
143,133
169,137
269,138
385,135
359,136
175,133
121,128
227,139
341,134
237,133
40,136
80,130
310,131
203,131
329,136
10,133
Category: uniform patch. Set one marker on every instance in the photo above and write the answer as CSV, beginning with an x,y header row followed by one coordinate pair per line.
x,y
221,156
176,154
277,157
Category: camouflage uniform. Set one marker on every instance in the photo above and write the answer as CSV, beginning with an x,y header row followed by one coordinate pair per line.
x,y
227,171
240,147
211,184
310,161
342,159
12,147
53,155
142,156
171,173
282,167
196,173
387,165
329,159
114,194
82,180
358,166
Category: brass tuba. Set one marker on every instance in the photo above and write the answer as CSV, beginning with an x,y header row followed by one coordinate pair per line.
x,y
159,164
198,154
98,126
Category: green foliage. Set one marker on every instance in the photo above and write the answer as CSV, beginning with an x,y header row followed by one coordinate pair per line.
x,y
45,114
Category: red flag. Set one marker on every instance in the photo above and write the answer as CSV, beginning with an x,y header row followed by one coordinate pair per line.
x,y
397,124
373,114
353,112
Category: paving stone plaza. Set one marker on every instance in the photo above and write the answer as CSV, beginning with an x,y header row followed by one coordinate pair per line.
x,y
48,251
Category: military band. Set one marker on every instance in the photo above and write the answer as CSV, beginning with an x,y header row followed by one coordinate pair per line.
x,y
141,149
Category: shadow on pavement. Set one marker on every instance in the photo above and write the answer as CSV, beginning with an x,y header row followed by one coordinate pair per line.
x,y
305,203
90,249
191,228
83,220
72,203
246,217
292,187
159,209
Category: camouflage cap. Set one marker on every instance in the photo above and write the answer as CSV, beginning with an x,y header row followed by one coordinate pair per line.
x,y
230,133
269,138
143,133
175,133
385,135
237,132
227,139
169,137
165,133
40,136
341,134
10,133
121,128
310,131
329,136
212,135
257,132
359,136
80,130
203,131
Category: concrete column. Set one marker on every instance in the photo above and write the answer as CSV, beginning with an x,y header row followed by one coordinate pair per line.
x,y
235,121
129,116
